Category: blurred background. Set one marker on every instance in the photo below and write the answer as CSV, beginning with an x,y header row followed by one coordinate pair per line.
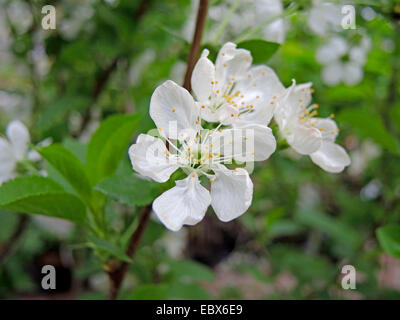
x,y
304,225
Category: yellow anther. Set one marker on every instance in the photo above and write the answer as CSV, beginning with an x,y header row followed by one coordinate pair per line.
x,y
217,91
197,121
236,169
211,180
301,100
332,115
201,162
312,90
239,114
254,84
212,82
203,106
247,58
220,130
245,138
223,53
263,73
249,75
225,65
272,102
274,97
258,97
301,117
173,109
232,114
193,175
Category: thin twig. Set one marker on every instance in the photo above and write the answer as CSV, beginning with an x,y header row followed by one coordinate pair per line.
x,y
117,275
196,43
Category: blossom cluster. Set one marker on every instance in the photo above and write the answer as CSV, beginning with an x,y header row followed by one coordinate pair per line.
x,y
209,135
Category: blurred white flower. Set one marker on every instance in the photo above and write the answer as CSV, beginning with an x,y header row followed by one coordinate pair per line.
x,y
198,152
13,149
9,101
324,17
20,15
248,14
305,133
342,61
70,26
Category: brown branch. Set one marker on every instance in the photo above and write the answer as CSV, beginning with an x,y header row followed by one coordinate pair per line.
x,y
9,246
196,43
117,275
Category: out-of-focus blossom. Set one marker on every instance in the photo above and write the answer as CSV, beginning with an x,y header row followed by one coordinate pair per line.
x,y
70,26
324,17
248,15
20,15
15,148
343,61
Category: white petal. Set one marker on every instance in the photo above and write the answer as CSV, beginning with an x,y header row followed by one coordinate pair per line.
x,y
327,126
202,76
232,63
231,193
305,140
148,158
186,203
7,159
19,137
331,157
173,109
252,142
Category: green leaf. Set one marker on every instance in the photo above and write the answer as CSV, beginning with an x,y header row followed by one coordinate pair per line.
x,y
129,189
66,163
150,292
191,270
369,125
389,238
261,50
108,145
39,195
109,248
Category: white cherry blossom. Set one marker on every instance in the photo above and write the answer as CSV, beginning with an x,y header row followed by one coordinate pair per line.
x,y
198,152
307,134
235,94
